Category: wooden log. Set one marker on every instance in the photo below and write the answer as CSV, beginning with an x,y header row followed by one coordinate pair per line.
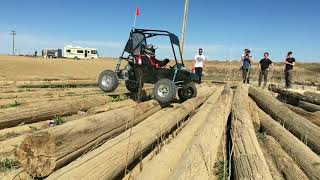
x,y
286,165
252,109
8,147
111,106
303,155
311,94
299,126
309,106
42,93
56,84
46,111
312,117
107,161
47,150
29,128
294,95
134,173
16,174
248,159
168,158
18,134
305,83
181,140
275,173
200,158
19,102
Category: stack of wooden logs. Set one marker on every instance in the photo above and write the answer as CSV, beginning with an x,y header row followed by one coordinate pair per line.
x,y
258,136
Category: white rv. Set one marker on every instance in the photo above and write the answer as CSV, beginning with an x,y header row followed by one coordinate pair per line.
x,y
77,52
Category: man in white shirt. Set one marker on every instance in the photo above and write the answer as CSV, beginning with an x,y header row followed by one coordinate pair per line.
x,y
199,63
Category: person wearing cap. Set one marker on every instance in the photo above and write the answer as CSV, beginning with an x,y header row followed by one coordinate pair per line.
x,y
289,62
246,61
199,63
264,65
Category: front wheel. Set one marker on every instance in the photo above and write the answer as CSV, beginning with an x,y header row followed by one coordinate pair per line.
x,y
187,91
108,81
164,91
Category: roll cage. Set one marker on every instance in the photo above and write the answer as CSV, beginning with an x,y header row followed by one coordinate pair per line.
x,y
139,36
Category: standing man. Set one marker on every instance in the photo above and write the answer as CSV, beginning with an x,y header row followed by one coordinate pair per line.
x,y
246,61
288,71
199,63
36,53
264,69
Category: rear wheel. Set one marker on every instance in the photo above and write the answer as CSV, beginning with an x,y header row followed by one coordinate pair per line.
x,y
133,86
164,91
108,81
187,91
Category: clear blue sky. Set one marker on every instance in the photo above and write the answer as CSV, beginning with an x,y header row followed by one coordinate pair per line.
x,y
223,28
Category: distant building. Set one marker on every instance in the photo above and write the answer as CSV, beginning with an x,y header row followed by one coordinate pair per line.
x,y
77,52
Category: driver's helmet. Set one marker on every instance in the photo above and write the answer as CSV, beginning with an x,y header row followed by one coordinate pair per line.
x,y
148,49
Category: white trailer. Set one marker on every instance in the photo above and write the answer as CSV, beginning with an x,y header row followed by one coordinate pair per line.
x,y
77,52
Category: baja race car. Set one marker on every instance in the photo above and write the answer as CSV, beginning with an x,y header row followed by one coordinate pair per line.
x,y
143,67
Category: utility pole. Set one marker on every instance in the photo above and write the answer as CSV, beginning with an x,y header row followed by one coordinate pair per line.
x,y
13,33
184,24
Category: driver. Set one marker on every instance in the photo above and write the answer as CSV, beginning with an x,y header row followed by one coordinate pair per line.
x,y
148,58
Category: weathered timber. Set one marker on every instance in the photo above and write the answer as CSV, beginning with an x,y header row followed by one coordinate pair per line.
x,y
299,126
248,159
303,155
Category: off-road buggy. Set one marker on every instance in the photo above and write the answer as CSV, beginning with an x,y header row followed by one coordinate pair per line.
x,y
143,67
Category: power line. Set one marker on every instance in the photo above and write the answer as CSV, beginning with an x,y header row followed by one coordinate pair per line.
x,y
13,33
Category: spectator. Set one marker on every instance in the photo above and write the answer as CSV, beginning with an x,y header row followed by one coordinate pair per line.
x,y
288,71
264,65
199,63
246,61
36,53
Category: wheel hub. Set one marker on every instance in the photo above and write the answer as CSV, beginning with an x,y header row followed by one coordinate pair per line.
x,y
106,80
163,90
187,92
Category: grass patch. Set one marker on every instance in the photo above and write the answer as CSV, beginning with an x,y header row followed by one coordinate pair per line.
x,y
222,167
33,129
58,120
15,104
8,136
8,164
150,96
117,98
71,93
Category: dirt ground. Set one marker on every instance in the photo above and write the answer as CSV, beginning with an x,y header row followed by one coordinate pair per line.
x,y
28,68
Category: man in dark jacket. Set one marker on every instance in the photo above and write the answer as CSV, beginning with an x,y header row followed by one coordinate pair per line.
x,y
289,63
264,65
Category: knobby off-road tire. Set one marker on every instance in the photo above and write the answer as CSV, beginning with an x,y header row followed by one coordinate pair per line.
x,y
133,86
187,91
108,81
164,91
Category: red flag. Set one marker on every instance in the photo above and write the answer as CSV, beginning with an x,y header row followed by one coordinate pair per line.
x,y
138,11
